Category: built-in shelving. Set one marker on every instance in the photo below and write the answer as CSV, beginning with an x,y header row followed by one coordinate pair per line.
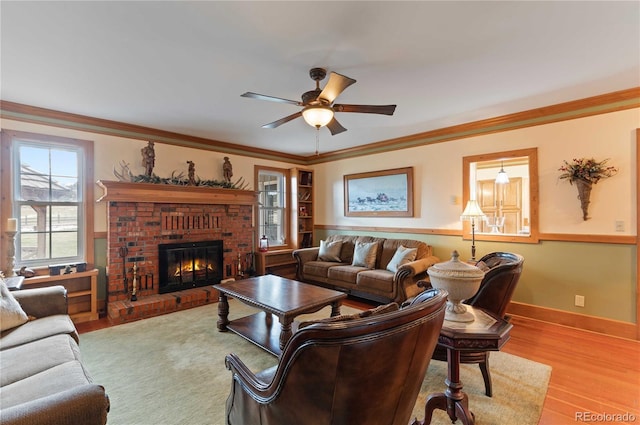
x,y
303,207
82,295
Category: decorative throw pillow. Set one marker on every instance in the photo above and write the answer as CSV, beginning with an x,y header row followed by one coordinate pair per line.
x,y
11,314
330,251
364,254
402,256
347,317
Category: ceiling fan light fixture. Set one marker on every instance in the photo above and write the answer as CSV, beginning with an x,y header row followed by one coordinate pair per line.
x,y
317,115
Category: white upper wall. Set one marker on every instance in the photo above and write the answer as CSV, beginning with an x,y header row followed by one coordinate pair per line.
x,y
437,172
438,176
109,151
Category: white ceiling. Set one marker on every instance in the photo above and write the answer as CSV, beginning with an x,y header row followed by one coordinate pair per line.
x,y
182,66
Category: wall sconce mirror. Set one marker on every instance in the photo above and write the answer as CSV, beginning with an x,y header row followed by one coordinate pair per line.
x,y
505,185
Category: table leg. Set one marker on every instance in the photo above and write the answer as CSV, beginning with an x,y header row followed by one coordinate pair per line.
x,y
285,331
223,312
335,308
454,401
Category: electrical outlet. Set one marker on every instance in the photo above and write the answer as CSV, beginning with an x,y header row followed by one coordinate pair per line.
x,y
619,226
579,300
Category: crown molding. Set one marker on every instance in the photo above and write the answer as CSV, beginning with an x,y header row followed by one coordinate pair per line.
x,y
595,105
37,115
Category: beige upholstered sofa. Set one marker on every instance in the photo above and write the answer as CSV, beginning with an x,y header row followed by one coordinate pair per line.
x,y
42,378
377,281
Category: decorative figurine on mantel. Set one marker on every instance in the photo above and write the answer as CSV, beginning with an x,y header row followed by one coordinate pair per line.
x,y
227,170
148,159
192,173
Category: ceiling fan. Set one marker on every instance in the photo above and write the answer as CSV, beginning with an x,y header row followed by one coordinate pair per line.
x,y
317,105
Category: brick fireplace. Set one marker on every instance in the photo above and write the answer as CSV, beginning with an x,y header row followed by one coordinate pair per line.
x,y
143,216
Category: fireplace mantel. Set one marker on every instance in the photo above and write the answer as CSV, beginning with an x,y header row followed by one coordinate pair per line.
x,y
142,216
166,193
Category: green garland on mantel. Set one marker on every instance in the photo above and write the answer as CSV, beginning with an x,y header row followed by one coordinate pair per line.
x,y
125,175
180,181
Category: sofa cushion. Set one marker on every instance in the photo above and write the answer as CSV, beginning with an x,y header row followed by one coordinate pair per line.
x,y
402,256
364,254
11,314
22,361
380,281
317,270
344,275
38,329
51,381
83,404
330,251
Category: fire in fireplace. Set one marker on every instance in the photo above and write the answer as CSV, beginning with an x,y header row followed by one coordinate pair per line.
x,y
188,265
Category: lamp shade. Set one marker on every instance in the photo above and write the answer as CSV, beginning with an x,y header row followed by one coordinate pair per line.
x,y
471,211
317,115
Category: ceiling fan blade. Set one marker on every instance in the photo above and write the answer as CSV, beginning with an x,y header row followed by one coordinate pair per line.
x,y
283,120
270,98
336,85
335,127
366,109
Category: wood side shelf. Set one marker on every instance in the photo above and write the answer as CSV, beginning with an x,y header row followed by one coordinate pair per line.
x,y
279,262
82,292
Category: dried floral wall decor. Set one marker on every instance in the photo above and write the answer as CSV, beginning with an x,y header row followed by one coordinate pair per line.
x,y
584,173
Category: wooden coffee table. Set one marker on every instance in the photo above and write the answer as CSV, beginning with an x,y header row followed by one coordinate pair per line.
x,y
277,297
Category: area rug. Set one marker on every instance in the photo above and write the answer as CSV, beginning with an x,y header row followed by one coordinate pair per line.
x,y
169,370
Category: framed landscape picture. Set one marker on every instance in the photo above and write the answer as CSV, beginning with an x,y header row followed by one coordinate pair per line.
x,y
387,193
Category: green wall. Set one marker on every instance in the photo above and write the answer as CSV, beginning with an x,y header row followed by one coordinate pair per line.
x,y
100,256
554,272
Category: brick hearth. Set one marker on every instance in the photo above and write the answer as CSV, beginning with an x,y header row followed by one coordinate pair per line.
x,y
155,305
142,216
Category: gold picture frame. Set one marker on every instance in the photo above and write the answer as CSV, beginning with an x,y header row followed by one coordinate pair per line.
x,y
387,193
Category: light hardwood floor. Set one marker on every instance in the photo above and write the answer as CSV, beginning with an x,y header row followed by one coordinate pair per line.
x,y
592,372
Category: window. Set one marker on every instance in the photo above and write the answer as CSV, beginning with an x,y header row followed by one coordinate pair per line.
x,y
272,207
52,197
511,209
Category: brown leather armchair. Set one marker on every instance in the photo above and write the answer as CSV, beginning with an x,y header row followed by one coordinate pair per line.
x,y
502,273
362,371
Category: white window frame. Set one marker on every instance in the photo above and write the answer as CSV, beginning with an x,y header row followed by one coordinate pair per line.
x,y
11,142
282,193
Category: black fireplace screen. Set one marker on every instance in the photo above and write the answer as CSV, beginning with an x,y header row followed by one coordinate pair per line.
x,y
188,265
